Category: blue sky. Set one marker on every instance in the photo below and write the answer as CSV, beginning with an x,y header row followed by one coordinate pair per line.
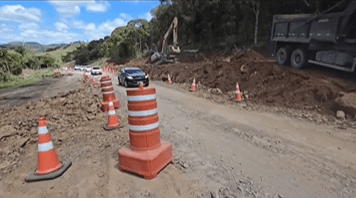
x,y
49,22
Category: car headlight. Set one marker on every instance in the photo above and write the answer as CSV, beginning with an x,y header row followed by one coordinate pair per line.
x,y
146,76
130,77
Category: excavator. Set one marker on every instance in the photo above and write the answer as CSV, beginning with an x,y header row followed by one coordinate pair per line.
x,y
169,52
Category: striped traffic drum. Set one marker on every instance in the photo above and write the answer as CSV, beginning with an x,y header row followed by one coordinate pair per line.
x,y
147,154
108,94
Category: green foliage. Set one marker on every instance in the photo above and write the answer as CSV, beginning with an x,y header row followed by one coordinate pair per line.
x,y
214,25
126,42
16,71
13,61
11,82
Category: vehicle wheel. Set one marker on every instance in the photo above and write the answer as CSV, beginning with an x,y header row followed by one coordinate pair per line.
x,y
118,79
298,59
146,85
283,56
126,85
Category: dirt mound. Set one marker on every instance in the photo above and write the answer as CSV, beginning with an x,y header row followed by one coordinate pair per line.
x,y
73,117
259,78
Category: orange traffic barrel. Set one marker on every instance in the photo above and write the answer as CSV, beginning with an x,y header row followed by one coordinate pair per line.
x,y
48,164
147,154
108,94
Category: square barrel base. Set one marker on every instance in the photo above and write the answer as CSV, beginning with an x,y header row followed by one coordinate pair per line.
x,y
146,163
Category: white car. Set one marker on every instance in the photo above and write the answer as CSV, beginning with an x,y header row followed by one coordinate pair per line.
x,y
96,70
77,67
83,68
88,70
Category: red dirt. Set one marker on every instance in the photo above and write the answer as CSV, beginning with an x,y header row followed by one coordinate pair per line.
x,y
259,78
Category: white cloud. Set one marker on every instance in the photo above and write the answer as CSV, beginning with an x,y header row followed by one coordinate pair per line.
x,y
46,36
28,26
125,17
33,32
69,9
6,29
97,7
146,16
94,32
18,13
78,25
61,27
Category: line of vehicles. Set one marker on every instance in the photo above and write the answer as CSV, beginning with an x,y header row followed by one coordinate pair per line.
x,y
128,76
91,70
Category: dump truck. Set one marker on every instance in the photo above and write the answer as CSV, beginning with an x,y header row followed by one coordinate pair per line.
x,y
327,39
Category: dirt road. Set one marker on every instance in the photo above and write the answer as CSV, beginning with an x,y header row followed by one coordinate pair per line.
x,y
255,154
45,88
226,149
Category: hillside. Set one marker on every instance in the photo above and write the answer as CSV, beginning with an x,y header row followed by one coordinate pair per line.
x,y
57,54
35,46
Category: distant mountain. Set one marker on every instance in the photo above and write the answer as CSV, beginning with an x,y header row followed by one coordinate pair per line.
x,y
36,47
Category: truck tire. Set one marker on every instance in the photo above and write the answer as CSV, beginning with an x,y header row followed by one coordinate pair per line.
x,y
283,56
298,59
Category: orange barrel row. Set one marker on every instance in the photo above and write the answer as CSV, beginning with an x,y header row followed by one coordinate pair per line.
x,y
147,154
108,94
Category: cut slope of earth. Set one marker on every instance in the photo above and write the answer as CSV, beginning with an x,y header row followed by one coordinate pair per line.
x,y
259,78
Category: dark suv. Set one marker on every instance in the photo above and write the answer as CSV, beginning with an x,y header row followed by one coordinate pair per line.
x,y
132,77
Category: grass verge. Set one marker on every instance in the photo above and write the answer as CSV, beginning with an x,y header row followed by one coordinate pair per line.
x,y
14,82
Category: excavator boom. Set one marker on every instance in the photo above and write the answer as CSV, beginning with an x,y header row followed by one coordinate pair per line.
x,y
172,28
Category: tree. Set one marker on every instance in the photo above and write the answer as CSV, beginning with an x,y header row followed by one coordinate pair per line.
x,y
255,5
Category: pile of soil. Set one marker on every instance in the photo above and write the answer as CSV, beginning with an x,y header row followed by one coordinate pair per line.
x,y
259,78
75,122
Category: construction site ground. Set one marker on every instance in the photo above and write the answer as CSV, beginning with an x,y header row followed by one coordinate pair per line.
x,y
220,147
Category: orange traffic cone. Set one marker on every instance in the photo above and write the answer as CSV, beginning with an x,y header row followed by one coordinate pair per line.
x,y
238,93
48,165
169,82
113,119
193,88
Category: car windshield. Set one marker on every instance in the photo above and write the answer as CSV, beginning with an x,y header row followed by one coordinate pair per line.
x,y
133,71
96,68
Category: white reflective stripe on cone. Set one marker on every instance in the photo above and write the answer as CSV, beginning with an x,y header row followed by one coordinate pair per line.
x,y
45,147
111,104
111,113
109,92
105,82
141,98
42,130
142,113
143,128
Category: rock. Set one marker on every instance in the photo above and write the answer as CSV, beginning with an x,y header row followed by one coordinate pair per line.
x,y
214,194
51,187
340,114
186,165
280,196
90,117
7,131
346,102
236,130
101,174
